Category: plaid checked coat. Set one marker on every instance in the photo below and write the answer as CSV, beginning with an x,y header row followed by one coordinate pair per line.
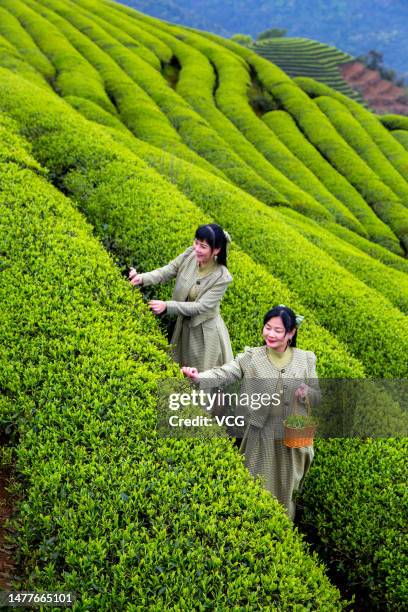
x,y
281,469
200,337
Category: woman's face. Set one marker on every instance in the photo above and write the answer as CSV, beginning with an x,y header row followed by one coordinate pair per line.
x,y
275,334
203,252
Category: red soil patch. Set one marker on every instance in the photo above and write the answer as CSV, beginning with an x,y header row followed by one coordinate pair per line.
x,y
7,567
381,95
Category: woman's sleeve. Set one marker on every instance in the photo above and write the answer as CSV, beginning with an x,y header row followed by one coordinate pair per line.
x,y
226,374
164,274
205,303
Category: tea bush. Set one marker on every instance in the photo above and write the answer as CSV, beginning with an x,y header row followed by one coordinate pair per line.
x,y
355,501
356,136
110,510
194,131
397,156
14,32
392,284
73,74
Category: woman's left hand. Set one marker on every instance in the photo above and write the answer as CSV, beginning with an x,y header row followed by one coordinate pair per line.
x,y
157,306
302,391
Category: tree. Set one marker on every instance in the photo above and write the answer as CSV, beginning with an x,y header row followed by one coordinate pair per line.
x,y
272,33
242,39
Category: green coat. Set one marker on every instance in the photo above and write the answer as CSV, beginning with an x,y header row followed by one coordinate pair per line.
x,y
200,337
280,468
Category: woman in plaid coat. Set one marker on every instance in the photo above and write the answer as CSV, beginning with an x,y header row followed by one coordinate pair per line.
x,y
282,372
200,338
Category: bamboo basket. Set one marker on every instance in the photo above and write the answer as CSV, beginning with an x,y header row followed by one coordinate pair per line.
x,y
298,437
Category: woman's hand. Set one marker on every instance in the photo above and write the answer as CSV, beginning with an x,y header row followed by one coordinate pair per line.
x,y
190,373
134,277
302,391
157,306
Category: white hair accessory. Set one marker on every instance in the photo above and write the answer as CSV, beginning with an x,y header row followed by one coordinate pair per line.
x,y
299,318
227,237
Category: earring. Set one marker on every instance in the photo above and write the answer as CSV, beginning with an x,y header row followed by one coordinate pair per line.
x,y
289,341
215,258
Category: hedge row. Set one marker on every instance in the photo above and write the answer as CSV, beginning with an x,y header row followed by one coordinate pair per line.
x,y
372,249
394,122
301,56
402,137
356,503
73,74
194,131
136,109
309,118
110,510
234,209
86,163
393,284
12,30
396,154
320,131
330,287
357,137
322,134
195,84
137,33
286,129
294,181
12,60
137,48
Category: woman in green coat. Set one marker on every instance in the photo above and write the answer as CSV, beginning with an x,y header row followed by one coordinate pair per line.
x,y
285,374
200,338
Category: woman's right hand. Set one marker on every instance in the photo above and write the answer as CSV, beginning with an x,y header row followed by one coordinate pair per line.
x,y
134,277
190,373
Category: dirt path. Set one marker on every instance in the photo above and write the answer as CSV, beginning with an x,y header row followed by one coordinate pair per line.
x,y
7,568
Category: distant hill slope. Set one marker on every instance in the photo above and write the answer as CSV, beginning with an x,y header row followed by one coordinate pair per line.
x,y
380,94
305,57
329,65
353,25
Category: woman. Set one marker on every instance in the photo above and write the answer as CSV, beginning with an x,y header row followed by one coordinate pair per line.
x,y
286,375
200,337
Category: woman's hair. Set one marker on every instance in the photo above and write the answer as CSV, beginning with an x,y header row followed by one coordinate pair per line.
x,y
288,319
214,236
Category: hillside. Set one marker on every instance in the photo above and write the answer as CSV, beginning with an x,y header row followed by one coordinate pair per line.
x,y
382,95
309,58
119,135
356,26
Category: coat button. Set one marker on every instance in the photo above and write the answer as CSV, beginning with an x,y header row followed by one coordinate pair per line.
x,y
283,371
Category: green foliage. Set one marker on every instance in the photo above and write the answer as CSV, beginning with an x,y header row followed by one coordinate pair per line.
x,y
242,39
393,284
195,132
322,134
402,137
81,356
126,201
396,154
231,96
272,33
304,57
299,421
356,136
110,510
15,33
74,75
394,122
135,107
355,502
